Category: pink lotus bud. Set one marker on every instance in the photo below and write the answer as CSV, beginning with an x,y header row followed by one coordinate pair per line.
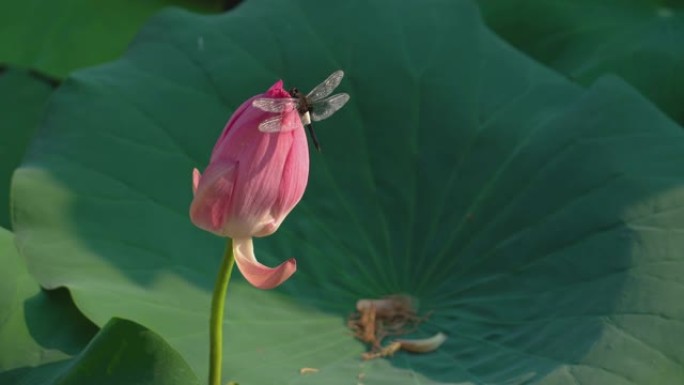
x,y
254,179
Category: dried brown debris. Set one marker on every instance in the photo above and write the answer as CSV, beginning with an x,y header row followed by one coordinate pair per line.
x,y
377,319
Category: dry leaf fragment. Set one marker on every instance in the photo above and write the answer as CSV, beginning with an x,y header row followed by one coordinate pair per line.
x,y
368,324
387,351
303,371
389,306
423,345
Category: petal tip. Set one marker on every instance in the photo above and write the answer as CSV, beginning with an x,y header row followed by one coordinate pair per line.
x,y
195,180
277,91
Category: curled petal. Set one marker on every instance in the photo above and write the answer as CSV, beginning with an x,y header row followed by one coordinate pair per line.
x,y
260,276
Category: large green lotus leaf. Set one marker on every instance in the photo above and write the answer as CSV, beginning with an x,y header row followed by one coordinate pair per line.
x,y
39,331
22,97
539,222
642,41
56,37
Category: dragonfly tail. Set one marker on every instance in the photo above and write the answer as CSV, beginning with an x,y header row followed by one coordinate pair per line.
x,y
313,137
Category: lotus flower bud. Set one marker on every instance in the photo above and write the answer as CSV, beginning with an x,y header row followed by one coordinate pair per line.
x,y
254,179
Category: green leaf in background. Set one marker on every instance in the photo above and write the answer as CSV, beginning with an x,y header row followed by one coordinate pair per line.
x,y
56,37
124,352
538,221
22,97
641,41
39,331
43,336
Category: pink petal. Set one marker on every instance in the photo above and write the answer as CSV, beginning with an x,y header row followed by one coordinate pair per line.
x,y
211,204
195,180
260,276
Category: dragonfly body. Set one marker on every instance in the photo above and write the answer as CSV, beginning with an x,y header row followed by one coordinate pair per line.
x,y
305,109
314,106
303,106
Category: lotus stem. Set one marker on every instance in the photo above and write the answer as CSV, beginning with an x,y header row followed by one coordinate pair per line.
x,y
218,303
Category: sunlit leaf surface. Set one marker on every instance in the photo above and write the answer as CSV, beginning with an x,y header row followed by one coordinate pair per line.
x,y
22,97
39,331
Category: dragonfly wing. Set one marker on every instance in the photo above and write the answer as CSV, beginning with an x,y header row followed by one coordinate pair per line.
x,y
275,104
270,125
326,88
325,108
280,123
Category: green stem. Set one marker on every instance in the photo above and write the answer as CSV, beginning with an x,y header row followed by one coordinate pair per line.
x,y
218,302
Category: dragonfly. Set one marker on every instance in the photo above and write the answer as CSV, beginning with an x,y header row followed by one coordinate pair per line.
x,y
314,106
